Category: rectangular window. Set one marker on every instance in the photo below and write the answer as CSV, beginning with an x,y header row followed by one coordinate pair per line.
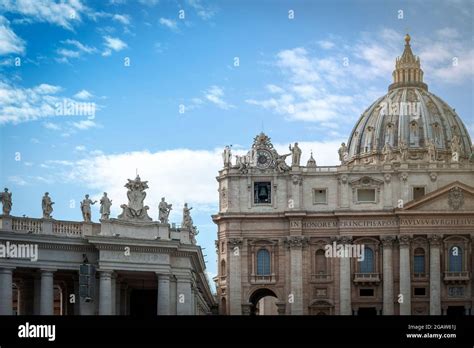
x,y
262,193
366,195
366,292
419,264
419,292
319,196
418,192
456,291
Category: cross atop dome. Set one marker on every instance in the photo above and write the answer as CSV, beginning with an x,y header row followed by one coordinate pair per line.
x,y
408,70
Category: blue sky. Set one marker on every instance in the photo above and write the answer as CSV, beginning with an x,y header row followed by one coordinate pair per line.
x,y
170,92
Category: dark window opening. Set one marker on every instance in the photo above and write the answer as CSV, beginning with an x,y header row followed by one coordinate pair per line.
x,y
366,292
418,192
420,291
262,192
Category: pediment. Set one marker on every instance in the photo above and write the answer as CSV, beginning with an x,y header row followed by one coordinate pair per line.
x,y
366,181
453,197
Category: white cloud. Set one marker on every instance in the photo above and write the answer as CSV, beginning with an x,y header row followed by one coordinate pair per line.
x,y
63,13
73,49
9,41
44,88
19,104
80,148
204,12
81,47
171,24
85,124
83,95
52,126
274,88
297,64
124,19
215,94
325,44
113,44
17,180
150,3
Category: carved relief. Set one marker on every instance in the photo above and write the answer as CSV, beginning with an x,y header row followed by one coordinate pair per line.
x,y
455,198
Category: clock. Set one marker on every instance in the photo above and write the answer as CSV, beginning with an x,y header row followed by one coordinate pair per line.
x,y
264,159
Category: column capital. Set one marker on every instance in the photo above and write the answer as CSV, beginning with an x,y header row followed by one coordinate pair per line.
x,y
47,271
234,242
163,276
435,240
404,240
6,270
387,241
295,242
344,240
105,273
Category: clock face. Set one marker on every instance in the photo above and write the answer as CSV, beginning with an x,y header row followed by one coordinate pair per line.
x,y
264,159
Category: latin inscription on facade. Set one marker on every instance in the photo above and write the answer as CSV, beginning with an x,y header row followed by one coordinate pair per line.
x,y
382,223
438,222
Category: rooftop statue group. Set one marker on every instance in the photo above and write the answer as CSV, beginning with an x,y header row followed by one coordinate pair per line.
x,y
135,210
388,154
243,162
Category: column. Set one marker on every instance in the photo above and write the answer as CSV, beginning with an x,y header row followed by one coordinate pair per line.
x,y
296,245
6,291
163,294
281,308
435,275
27,297
47,292
173,295
184,294
113,292
123,298
118,287
77,304
37,295
105,293
405,275
345,280
235,277
387,243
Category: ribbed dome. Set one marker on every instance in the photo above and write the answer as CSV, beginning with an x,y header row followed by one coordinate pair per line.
x,y
407,121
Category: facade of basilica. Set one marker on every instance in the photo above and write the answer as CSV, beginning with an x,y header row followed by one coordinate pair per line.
x,y
388,231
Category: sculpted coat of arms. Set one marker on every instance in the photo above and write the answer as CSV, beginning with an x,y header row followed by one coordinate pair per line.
x,y
135,209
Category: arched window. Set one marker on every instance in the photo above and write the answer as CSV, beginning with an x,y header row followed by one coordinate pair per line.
x,y
223,306
320,262
367,265
263,262
455,259
222,268
419,261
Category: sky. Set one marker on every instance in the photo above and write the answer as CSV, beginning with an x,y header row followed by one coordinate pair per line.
x,y
163,86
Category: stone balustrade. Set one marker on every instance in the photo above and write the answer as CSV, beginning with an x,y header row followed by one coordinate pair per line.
x,y
27,224
67,228
42,226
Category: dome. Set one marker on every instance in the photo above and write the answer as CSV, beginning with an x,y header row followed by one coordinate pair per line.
x,y
408,123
